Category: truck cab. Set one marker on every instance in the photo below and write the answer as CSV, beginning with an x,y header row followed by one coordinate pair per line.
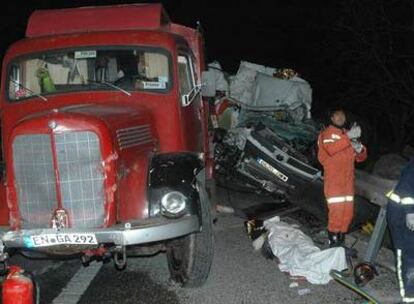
x,y
104,139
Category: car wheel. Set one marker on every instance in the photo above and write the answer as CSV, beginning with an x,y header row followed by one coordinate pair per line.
x,y
190,257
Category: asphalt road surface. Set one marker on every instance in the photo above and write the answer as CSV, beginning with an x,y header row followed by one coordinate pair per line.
x,y
238,275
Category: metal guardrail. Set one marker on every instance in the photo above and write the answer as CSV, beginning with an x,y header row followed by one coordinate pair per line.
x,y
374,188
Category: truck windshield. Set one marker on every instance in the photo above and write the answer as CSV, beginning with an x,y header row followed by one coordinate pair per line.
x,y
88,69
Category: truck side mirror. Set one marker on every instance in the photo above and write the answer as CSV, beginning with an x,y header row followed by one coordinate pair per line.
x,y
208,88
185,100
188,98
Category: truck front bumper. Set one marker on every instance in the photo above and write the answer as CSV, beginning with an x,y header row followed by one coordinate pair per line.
x,y
131,233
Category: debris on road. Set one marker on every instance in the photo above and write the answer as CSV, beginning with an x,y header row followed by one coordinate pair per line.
x,y
293,285
254,228
304,291
258,243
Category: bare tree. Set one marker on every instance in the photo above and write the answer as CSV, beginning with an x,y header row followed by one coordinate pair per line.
x,y
373,46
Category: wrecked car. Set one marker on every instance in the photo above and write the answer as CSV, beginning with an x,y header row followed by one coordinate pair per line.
x,y
104,140
261,158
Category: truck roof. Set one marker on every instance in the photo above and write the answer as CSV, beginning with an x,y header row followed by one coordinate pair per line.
x,y
97,19
138,19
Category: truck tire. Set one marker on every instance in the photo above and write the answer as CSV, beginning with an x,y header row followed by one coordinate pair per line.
x,y
190,257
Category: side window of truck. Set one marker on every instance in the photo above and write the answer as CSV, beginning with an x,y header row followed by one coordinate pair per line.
x,y
186,78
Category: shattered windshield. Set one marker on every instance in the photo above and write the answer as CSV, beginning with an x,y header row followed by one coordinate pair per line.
x,y
124,69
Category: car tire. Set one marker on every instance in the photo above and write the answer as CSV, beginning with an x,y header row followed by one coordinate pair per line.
x,y
190,257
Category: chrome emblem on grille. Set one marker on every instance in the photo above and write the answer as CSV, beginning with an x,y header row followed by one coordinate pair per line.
x,y
60,219
52,124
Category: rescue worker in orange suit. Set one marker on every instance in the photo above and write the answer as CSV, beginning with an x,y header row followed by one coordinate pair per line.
x,y
339,149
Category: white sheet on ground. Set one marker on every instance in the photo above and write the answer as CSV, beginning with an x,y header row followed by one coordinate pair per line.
x,y
299,256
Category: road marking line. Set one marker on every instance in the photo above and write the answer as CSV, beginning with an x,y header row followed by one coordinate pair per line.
x,y
77,286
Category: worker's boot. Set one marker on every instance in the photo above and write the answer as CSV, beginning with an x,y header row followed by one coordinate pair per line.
x,y
333,238
341,239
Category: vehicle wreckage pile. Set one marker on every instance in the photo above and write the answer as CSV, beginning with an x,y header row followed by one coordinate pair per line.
x,y
265,136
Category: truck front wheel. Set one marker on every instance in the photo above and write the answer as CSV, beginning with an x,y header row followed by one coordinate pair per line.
x,y
190,257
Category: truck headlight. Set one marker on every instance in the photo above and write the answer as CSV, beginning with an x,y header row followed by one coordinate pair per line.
x,y
173,203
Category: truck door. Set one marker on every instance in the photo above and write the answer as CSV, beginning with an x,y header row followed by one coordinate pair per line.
x,y
190,105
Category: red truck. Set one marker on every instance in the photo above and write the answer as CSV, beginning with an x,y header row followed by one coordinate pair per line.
x,y
104,140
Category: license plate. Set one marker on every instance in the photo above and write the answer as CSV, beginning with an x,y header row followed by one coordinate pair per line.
x,y
45,240
276,172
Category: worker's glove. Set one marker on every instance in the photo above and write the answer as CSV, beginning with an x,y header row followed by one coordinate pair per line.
x,y
358,147
355,132
409,221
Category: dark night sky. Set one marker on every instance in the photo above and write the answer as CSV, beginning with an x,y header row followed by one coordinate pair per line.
x,y
335,45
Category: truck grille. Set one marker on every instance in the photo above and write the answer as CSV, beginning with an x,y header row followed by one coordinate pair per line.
x,y
34,179
81,178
